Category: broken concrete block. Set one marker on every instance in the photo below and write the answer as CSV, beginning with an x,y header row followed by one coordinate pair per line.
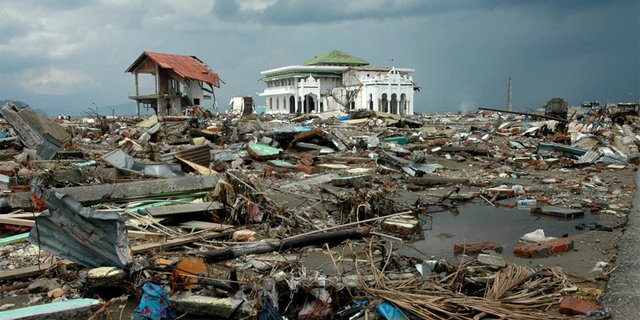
x,y
476,248
31,127
544,248
43,285
226,308
55,293
405,225
98,277
244,235
492,260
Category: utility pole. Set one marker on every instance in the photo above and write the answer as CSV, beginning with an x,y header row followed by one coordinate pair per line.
x,y
509,101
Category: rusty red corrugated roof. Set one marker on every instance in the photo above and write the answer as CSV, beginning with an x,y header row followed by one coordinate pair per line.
x,y
189,67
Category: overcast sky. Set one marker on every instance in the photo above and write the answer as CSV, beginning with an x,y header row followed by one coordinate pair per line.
x,y
64,56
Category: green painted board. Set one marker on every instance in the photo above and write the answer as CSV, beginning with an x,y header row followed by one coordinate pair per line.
x,y
399,140
281,164
12,239
69,307
263,151
85,164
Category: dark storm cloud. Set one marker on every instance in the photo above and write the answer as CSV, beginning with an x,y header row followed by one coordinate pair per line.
x,y
297,12
226,9
463,51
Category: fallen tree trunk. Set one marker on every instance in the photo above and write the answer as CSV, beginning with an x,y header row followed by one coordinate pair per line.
x,y
285,244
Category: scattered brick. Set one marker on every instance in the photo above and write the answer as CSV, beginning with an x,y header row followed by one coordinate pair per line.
x,y
573,305
544,248
305,169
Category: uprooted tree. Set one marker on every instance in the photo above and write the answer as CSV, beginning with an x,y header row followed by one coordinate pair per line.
x,y
344,96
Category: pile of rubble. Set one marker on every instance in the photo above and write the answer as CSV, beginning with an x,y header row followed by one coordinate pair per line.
x,y
278,216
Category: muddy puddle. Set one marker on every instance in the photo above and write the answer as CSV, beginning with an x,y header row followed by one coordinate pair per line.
x,y
481,224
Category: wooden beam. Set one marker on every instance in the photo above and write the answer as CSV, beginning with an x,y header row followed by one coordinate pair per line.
x,y
179,209
16,238
204,225
26,271
137,94
17,222
174,242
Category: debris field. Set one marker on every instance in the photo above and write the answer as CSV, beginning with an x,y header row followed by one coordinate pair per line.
x,y
360,215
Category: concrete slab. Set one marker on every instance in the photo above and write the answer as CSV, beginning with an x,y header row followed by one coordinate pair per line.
x,y
622,295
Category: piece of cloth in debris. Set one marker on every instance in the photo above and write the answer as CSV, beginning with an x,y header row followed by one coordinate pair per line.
x,y
269,311
390,312
154,304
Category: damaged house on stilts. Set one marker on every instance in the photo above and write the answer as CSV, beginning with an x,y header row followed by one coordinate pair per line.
x,y
180,82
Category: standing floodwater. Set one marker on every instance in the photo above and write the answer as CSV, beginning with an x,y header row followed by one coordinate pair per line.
x,y
489,224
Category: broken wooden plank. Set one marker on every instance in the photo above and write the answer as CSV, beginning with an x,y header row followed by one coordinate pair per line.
x,y
17,222
204,225
68,309
15,238
21,215
178,209
26,271
174,242
200,168
144,234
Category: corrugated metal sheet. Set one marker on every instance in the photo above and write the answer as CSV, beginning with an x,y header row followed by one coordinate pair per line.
x,y
200,155
49,147
590,157
81,234
125,162
189,67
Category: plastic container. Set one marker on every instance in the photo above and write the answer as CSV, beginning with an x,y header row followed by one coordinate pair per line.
x,y
517,189
527,202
